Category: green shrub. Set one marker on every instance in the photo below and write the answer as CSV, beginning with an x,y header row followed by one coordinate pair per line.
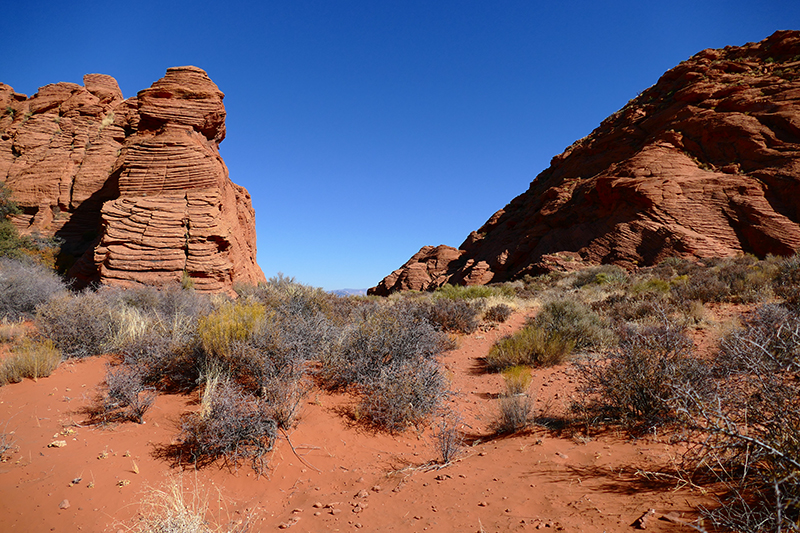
x,y
472,292
531,346
601,275
30,359
25,285
574,321
231,322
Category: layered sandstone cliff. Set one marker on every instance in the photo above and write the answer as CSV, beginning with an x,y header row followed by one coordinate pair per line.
x,y
136,189
705,163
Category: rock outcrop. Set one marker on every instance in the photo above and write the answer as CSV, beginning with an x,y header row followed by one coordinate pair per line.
x,y
136,189
705,163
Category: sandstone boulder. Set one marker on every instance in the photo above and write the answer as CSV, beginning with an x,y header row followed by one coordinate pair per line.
x,y
135,188
705,163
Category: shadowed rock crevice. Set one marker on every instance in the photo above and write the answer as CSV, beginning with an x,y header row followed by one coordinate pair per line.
x,y
705,163
135,188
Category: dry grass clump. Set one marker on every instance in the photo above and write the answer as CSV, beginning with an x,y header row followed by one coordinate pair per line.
x,y
30,359
171,509
529,346
515,406
231,322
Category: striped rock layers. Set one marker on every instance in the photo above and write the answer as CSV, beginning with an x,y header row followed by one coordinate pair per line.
x,y
705,163
135,188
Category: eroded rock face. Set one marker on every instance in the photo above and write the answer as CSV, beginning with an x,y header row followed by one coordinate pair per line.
x,y
706,163
136,188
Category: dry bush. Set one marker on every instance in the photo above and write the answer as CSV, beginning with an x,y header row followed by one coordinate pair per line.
x,y
30,359
24,286
232,426
636,384
449,440
377,336
748,428
80,325
455,315
515,406
786,283
402,394
498,313
126,397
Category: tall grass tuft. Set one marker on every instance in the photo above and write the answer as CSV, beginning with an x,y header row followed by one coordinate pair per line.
x,y
30,359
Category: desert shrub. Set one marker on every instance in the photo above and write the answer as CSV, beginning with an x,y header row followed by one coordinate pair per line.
x,y
652,285
472,292
379,335
449,440
30,359
748,428
498,313
574,321
80,325
25,285
531,346
786,283
402,394
747,278
126,397
769,340
233,427
163,362
515,407
231,322
703,284
636,384
452,315
601,275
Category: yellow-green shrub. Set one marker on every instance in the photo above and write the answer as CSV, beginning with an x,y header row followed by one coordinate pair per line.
x,y
231,322
30,359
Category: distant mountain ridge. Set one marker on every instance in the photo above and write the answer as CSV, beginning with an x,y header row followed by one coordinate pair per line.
x,y
704,163
349,292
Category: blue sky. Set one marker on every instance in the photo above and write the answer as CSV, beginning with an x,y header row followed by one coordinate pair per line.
x,y
367,129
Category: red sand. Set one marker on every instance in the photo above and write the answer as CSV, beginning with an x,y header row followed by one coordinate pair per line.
x,y
536,480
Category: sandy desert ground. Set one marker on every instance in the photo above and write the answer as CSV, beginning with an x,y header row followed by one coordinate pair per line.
x,y
65,475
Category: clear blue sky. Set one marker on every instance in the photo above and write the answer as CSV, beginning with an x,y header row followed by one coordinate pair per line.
x,y
367,129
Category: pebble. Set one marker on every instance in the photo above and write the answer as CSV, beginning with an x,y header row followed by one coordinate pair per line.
x,y
64,504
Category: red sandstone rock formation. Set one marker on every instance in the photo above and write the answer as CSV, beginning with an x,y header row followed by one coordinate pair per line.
x,y
704,163
136,188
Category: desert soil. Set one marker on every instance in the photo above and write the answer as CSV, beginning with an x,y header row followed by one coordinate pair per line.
x,y
64,475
